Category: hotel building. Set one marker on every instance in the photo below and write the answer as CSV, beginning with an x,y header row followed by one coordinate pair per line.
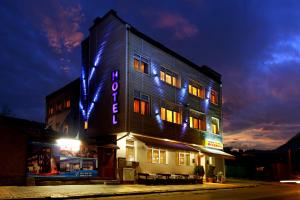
x,y
142,103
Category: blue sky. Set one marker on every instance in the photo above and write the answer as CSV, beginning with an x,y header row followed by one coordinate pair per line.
x,y
254,44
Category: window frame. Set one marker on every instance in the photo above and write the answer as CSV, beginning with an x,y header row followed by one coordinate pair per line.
x,y
218,125
174,77
141,59
140,100
198,117
159,155
200,89
185,161
173,114
216,97
131,146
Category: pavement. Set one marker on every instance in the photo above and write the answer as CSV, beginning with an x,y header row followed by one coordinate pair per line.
x,y
93,191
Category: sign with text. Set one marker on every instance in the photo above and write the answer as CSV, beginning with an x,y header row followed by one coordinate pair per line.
x,y
115,91
213,144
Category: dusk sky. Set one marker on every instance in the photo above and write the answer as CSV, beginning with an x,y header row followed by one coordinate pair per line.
x,y
254,44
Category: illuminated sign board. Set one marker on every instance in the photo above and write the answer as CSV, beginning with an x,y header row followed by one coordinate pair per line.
x,y
213,144
115,92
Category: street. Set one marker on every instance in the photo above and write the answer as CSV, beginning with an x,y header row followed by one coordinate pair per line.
x,y
261,192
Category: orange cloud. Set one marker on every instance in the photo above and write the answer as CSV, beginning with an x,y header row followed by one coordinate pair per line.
x,y
62,30
263,136
177,24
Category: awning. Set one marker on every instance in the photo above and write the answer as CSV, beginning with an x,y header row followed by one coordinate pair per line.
x,y
167,144
215,152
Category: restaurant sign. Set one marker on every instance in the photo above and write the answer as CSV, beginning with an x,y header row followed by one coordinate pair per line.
x,y
213,144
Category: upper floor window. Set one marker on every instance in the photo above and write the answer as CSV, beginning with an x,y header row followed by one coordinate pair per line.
x,y
141,64
214,97
156,155
170,115
215,125
141,103
68,103
196,90
169,77
198,122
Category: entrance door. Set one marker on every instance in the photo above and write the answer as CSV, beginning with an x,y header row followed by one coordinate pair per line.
x,y
106,163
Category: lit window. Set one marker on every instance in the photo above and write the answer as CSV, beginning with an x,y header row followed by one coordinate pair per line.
x,y
130,150
169,77
197,91
162,76
68,104
141,64
170,116
215,125
198,123
141,103
136,106
214,97
163,113
136,64
156,155
184,158
86,125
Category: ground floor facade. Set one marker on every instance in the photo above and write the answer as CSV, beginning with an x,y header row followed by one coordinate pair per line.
x,y
131,155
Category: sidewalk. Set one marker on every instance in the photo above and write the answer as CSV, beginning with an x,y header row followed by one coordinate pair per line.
x,y
89,191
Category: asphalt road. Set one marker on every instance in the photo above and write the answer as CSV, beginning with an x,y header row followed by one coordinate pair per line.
x,y
261,192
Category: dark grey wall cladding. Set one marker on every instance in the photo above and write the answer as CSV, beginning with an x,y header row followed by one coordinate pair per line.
x,y
160,92
110,35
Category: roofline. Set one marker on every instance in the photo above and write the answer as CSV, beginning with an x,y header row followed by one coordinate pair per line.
x,y
53,94
203,69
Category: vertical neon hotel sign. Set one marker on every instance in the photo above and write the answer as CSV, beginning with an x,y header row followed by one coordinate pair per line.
x,y
115,91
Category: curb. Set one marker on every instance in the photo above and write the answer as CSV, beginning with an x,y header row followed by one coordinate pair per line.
x,y
137,193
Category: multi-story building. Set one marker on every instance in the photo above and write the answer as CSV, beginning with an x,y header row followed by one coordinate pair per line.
x,y
144,102
62,110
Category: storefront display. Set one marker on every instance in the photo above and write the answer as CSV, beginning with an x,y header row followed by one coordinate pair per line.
x,y
52,160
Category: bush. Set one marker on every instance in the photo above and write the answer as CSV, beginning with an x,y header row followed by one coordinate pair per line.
x,y
199,171
211,173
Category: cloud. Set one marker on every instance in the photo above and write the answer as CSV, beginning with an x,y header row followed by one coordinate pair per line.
x,y
63,31
261,136
175,23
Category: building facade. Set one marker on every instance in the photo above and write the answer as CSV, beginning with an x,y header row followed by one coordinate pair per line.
x,y
143,103
62,111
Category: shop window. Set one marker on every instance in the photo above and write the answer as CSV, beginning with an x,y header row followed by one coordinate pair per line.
x,y
130,150
169,77
184,158
214,97
196,90
170,115
215,125
198,122
156,155
141,64
141,103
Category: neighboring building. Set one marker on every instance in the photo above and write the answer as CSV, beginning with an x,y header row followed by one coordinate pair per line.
x,y
17,135
144,102
62,109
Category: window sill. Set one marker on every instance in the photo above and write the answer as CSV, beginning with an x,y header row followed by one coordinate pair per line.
x,y
147,74
170,84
